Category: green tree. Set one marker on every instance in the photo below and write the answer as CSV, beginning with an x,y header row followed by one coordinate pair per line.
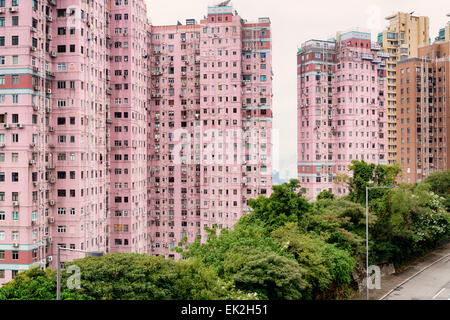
x,y
270,275
326,265
325,194
285,204
440,184
370,175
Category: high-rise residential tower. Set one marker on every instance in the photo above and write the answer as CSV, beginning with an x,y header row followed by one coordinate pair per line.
x,y
210,134
341,110
401,39
118,136
423,115
444,33
53,103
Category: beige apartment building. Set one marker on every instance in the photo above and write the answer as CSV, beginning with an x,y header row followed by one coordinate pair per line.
x,y
402,38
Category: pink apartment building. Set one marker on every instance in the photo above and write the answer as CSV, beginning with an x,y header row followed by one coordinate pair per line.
x,y
341,110
117,136
209,125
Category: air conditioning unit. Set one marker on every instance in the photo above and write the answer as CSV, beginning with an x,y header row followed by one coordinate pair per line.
x,y
53,54
51,129
52,180
15,203
51,220
35,184
49,259
32,144
51,202
36,108
16,245
49,37
108,163
6,126
49,91
2,10
13,9
2,145
49,19
31,162
33,48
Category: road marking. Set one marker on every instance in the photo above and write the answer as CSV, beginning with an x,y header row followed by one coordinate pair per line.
x,y
415,275
437,294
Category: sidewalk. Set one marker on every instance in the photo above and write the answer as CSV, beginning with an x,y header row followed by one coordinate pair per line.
x,y
389,282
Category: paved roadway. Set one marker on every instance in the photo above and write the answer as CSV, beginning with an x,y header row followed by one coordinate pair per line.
x,y
431,284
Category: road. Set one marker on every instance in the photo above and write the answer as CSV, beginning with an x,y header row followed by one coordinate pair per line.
x,y
431,284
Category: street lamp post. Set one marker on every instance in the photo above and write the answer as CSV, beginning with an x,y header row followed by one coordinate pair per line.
x,y
367,235
58,267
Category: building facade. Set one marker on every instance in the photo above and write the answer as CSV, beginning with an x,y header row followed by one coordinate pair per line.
x,y
401,39
210,142
341,109
444,33
423,112
119,136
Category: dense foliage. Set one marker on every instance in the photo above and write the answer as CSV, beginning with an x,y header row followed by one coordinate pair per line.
x,y
286,248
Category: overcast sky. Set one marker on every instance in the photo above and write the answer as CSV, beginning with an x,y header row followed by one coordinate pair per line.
x,y
294,22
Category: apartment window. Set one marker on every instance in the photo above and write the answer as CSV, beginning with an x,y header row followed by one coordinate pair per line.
x,y
15,21
2,216
61,229
15,137
15,256
2,21
15,216
15,79
2,257
15,98
15,40
2,42
2,58
61,48
14,176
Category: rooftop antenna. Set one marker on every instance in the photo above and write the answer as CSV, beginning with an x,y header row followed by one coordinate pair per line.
x,y
223,4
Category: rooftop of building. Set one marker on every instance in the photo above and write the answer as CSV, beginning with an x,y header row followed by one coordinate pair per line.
x,y
396,14
317,44
409,60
